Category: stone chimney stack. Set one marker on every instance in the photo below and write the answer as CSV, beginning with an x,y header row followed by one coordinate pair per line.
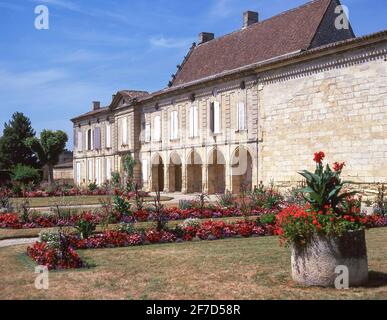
x,y
249,18
96,105
205,37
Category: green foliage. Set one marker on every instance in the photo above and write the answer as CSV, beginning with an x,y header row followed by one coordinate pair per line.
x,y
24,175
92,186
85,227
268,219
324,188
126,228
48,148
13,149
129,163
122,205
116,179
263,197
51,238
226,200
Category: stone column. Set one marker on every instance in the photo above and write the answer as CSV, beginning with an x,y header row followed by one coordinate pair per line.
x,y
228,176
184,187
205,178
166,177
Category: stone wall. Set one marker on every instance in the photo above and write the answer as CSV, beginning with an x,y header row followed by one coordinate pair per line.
x,y
337,104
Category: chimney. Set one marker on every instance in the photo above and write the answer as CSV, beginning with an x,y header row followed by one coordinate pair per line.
x,y
205,37
96,105
249,18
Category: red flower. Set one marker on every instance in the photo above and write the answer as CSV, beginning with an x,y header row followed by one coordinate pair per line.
x,y
319,157
338,166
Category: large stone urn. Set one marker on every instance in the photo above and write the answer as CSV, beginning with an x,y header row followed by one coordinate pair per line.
x,y
315,263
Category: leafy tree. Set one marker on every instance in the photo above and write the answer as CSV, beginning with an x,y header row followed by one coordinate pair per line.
x,y
13,149
48,149
129,164
24,175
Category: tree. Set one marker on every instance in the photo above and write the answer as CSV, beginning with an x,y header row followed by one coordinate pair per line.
x,y
13,149
129,165
24,175
48,149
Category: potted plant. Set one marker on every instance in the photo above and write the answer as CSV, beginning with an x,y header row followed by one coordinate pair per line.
x,y
327,232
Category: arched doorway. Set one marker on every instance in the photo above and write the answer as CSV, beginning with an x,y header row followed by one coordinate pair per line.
x,y
216,172
175,173
242,170
194,173
157,173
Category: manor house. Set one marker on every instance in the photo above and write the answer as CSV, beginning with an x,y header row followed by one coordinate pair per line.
x,y
250,106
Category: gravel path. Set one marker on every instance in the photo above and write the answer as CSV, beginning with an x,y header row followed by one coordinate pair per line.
x,y
15,242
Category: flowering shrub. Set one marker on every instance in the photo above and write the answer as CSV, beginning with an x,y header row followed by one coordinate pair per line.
x,y
54,258
10,220
85,224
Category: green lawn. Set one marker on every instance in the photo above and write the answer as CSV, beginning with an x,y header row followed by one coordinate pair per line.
x,y
71,201
254,268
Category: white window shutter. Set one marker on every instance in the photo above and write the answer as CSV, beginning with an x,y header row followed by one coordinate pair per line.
x,y
176,124
97,172
108,169
90,171
108,136
171,126
147,133
144,168
92,139
78,173
241,116
157,128
124,128
191,122
217,117
79,140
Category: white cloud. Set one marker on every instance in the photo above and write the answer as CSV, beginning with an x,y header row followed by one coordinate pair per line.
x,y
162,42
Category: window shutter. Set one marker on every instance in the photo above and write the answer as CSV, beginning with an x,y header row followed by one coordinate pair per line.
x,y
80,140
147,133
217,117
241,116
212,117
97,172
97,138
191,121
108,169
91,139
157,128
124,128
171,126
196,121
78,173
108,136
144,168
176,127
90,171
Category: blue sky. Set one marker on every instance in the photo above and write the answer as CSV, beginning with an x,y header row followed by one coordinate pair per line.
x,y
95,47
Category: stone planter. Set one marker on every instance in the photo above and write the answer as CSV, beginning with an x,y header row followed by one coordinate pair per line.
x,y
314,263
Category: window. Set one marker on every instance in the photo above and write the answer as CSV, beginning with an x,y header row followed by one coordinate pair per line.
x,y
78,173
108,169
124,128
89,139
193,121
108,136
97,138
147,133
241,116
157,128
174,125
215,117
144,169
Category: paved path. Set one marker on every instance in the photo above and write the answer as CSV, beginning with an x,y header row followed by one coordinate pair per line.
x,y
15,242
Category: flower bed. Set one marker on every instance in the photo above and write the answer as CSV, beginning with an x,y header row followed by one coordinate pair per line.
x,y
13,220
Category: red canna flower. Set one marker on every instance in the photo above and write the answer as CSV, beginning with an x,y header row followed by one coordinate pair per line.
x,y
338,166
319,157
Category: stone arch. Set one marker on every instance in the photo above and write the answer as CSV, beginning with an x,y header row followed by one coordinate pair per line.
x,y
216,172
157,173
241,170
194,172
175,173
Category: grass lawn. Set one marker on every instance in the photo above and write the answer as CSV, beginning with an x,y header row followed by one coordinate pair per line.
x,y
253,268
71,201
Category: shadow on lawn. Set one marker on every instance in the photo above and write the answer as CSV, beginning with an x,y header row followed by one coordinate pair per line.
x,y
376,279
